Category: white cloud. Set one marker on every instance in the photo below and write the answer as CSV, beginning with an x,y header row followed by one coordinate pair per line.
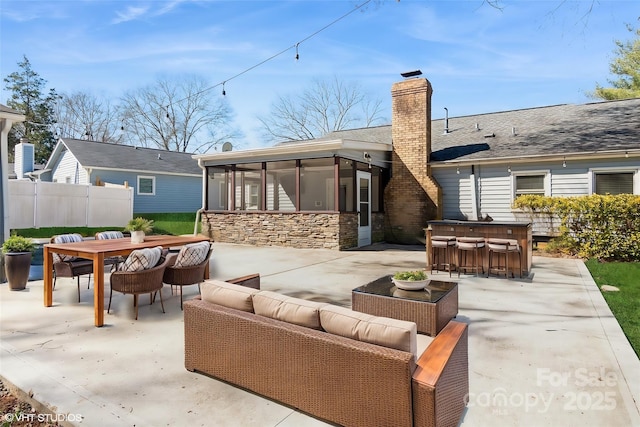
x,y
130,14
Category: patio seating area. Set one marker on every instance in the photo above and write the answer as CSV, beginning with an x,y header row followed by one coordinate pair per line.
x,y
543,350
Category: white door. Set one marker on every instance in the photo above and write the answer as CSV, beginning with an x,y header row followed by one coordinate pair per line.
x,y
364,208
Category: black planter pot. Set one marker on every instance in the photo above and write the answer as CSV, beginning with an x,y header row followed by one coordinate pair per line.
x,y
17,265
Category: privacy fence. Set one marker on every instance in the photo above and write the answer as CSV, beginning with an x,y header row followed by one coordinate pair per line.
x,y
51,204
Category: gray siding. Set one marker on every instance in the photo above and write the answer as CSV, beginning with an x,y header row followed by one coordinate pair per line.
x,y
494,185
173,193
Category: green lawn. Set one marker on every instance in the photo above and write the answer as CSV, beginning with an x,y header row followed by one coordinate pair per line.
x,y
164,223
625,304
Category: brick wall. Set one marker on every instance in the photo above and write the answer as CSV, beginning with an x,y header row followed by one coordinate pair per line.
x,y
412,196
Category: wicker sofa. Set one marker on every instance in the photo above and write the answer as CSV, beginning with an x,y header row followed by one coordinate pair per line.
x,y
332,377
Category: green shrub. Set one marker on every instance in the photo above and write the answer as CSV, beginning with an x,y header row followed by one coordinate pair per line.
x,y
597,226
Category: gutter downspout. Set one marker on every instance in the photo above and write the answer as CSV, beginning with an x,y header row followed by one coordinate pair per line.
x,y
474,194
204,189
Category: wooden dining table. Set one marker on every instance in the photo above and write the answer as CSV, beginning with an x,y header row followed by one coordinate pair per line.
x,y
98,250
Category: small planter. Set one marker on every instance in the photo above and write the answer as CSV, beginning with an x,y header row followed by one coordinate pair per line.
x,y
137,236
410,285
410,280
17,266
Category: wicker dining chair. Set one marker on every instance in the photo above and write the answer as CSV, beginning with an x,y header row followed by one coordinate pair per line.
x,y
185,276
139,282
113,261
68,266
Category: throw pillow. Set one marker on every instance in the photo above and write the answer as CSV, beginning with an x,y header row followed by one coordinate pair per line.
x,y
65,238
192,254
228,295
392,333
288,309
142,259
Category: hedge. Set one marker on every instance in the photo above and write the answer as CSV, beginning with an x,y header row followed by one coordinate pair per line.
x,y
596,226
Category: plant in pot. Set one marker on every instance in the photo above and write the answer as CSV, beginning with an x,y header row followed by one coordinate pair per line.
x,y
139,227
17,261
410,280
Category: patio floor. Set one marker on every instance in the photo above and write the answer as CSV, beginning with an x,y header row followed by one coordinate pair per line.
x,y
543,350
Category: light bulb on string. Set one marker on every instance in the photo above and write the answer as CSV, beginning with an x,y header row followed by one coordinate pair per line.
x,y
297,55
224,92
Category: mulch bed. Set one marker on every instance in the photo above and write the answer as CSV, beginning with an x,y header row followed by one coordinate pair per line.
x,y
17,411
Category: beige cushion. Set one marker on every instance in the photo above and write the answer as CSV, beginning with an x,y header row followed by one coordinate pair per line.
x,y
393,333
192,254
228,295
142,259
288,309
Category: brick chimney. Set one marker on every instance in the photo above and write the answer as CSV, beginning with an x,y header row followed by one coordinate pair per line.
x,y
412,196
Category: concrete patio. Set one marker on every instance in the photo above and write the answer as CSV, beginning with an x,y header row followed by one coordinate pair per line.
x,y
544,350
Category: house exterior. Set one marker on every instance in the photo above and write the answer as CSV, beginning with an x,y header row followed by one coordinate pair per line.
x,y
354,187
163,181
8,116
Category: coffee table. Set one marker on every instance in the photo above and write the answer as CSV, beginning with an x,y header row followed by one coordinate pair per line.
x,y
431,309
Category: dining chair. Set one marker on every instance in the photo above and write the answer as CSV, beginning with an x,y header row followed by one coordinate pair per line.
x,y
188,266
140,273
70,266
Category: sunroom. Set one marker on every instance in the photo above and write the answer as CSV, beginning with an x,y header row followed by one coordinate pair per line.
x,y
312,194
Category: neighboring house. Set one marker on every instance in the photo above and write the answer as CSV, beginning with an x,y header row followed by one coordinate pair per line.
x,y
164,181
354,187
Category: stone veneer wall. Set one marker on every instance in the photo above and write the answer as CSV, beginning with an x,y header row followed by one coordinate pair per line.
x,y
295,229
412,196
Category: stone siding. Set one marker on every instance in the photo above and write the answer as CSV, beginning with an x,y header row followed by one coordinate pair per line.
x,y
295,229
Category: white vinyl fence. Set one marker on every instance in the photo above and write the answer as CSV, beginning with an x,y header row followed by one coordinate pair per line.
x,y
51,204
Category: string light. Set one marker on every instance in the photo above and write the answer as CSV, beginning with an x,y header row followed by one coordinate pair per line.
x,y
224,92
297,56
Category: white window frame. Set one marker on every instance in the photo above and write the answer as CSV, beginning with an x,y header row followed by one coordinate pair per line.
x,y
153,185
546,181
594,171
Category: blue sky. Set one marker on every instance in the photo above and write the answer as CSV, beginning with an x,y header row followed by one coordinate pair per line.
x,y
479,59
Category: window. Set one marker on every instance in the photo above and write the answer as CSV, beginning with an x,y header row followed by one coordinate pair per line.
x,y
248,186
531,182
147,185
281,186
317,184
613,183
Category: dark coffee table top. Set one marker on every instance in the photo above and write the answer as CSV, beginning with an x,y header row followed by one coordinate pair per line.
x,y
385,287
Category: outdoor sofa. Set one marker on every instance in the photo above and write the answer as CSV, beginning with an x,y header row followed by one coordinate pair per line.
x,y
246,337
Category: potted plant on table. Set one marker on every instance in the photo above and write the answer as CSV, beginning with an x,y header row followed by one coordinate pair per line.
x,y
17,258
410,280
139,227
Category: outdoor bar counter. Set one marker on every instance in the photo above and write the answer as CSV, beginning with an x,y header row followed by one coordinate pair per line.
x,y
520,231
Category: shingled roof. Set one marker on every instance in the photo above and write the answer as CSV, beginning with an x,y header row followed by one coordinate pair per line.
x,y
552,130
100,155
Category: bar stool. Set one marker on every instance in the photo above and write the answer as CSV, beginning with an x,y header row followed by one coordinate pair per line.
x,y
503,247
442,246
468,245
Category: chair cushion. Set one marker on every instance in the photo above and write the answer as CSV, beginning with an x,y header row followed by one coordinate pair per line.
x,y
142,259
392,333
288,309
65,238
192,254
227,294
104,235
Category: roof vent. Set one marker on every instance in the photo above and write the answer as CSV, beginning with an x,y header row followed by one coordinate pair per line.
x,y
159,158
490,135
446,120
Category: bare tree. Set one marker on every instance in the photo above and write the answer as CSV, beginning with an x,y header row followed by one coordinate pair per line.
x,y
326,106
177,115
81,115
